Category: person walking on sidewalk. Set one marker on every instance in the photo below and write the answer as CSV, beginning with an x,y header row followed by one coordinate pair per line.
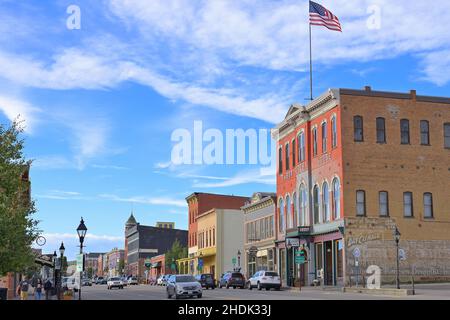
x,y
48,289
22,289
38,290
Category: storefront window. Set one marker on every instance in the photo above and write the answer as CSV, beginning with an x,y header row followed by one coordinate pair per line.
x,y
282,264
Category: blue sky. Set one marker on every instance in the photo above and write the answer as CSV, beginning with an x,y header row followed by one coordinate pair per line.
x,y
100,103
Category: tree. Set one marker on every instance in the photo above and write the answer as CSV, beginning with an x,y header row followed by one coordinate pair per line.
x,y
17,228
175,253
90,272
121,266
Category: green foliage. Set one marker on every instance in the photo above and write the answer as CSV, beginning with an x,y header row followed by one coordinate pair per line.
x,y
121,265
90,272
17,228
175,253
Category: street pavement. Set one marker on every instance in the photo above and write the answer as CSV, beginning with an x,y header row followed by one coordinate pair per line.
x,y
145,292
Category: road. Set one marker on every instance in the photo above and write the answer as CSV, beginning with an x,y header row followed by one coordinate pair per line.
x,y
142,292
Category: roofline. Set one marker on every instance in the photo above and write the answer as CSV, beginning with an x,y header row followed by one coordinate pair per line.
x,y
213,194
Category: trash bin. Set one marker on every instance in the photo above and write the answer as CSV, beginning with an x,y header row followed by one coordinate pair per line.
x,y
3,293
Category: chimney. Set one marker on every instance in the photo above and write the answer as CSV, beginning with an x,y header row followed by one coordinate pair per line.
x,y
413,95
367,88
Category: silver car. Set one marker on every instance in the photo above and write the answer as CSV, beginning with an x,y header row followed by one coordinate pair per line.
x,y
183,286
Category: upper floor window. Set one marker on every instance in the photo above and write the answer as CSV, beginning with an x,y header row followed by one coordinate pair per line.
x,y
293,154
281,224
358,128
315,141
301,147
428,205
287,157
404,131
336,199
324,137
326,202
333,132
408,204
295,213
280,161
303,206
424,132
288,212
316,205
381,130
360,203
384,204
447,135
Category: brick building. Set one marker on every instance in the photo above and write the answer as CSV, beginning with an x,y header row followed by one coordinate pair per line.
x,y
199,203
91,262
352,166
145,242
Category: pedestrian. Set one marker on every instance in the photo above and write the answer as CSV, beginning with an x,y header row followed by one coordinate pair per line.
x,y
48,289
38,290
22,289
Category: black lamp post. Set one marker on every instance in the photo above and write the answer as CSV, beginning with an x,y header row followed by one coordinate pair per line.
x,y
81,230
55,256
397,235
61,252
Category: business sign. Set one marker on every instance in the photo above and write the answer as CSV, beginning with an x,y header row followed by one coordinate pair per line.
x,y
148,263
300,256
80,262
357,253
293,242
402,255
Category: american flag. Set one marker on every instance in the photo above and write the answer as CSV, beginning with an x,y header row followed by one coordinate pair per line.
x,y
319,16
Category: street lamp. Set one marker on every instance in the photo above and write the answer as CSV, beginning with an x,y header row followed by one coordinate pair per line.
x,y
61,251
239,259
81,230
55,256
397,235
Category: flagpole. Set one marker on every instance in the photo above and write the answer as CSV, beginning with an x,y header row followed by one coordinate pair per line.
x,y
310,63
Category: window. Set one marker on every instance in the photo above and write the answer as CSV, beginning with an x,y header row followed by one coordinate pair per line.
x,y
293,154
326,202
288,213
333,133
384,204
303,202
324,137
360,203
281,216
295,213
428,205
301,147
287,157
404,130
280,161
316,205
214,237
424,133
447,135
315,141
336,199
381,130
358,128
408,204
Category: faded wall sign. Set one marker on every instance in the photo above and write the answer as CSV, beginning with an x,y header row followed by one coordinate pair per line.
x,y
363,238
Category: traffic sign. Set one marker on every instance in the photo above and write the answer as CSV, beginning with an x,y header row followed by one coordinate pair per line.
x,y
234,260
402,254
148,263
80,262
200,262
300,256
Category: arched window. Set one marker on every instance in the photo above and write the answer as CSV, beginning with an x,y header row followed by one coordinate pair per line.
x,y
324,137
280,161
336,199
288,213
326,202
302,204
314,137
288,156
295,213
333,132
316,205
301,147
281,216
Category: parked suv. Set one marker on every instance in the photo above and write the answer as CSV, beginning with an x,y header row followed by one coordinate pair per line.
x,y
183,286
115,282
265,280
232,279
206,280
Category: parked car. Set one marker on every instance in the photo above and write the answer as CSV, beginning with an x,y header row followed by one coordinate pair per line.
x,y
133,281
206,280
100,280
265,280
183,286
232,279
115,282
70,283
124,281
86,282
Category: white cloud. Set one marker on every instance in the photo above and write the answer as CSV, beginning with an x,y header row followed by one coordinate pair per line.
x,y
244,177
62,195
163,201
436,67
18,109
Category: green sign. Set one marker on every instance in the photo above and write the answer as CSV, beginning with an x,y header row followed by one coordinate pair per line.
x,y
80,262
300,256
234,260
147,263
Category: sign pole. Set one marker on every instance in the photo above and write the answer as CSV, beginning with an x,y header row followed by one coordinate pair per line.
x,y
310,63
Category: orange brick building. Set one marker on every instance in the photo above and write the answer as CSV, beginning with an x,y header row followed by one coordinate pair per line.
x,y
352,166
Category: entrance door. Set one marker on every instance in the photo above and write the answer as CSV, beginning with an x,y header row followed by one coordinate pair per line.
x,y
329,263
